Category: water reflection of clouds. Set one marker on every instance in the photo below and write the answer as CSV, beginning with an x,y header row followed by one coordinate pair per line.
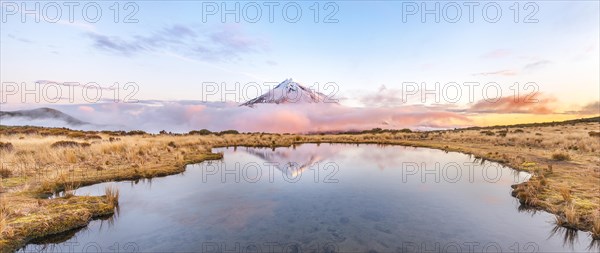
x,y
454,165
234,210
243,212
489,199
367,210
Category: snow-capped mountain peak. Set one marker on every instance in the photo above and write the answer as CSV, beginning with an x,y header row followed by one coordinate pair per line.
x,y
288,91
288,84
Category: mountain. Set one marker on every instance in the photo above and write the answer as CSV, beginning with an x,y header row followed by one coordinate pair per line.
x,y
41,114
288,92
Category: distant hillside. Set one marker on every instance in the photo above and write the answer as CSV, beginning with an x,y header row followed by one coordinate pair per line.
x,y
553,123
42,114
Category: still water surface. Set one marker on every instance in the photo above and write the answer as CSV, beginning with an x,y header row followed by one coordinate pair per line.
x,y
324,198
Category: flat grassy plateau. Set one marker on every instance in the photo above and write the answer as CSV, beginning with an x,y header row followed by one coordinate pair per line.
x,y
563,159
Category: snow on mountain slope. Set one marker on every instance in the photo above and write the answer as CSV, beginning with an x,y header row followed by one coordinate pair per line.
x,y
286,92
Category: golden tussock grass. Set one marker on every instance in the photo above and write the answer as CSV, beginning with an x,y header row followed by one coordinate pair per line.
x,y
33,168
4,229
566,194
560,156
112,195
596,226
571,216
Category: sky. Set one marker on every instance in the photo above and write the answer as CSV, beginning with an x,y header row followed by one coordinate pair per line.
x,y
161,59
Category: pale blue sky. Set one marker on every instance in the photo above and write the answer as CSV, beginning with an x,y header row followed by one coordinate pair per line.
x,y
369,47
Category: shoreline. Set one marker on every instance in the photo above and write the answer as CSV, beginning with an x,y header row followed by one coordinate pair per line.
x,y
98,211
530,193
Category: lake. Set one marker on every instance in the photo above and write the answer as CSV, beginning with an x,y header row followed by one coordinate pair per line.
x,y
323,198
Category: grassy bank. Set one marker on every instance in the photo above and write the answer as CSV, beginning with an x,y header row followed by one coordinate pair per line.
x,y
37,162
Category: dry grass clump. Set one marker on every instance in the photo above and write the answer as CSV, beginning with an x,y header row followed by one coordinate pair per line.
x,y
488,133
112,195
566,194
571,216
559,221
502,133
200,132
594,134
3,216
596,227
69,144
3,225
5,172
560,156
527,193
84,135
70,188
6,146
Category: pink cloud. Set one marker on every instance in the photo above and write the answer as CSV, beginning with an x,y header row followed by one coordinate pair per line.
x,y
85,108
194,109
506,72
498,53
335,117
293,118
536,104
273,120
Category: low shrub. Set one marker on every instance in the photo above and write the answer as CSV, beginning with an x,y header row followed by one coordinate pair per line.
x,y
5,172
93,136
559,156
229,132
502,133
69,144
487,132
135,132
594,134
201,132
76,135
6,146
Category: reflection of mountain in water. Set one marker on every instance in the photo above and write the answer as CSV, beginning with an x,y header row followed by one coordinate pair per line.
x,y
281,161
291,162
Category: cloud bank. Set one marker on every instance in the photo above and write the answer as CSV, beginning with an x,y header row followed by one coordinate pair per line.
x,y
535,104
184,116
